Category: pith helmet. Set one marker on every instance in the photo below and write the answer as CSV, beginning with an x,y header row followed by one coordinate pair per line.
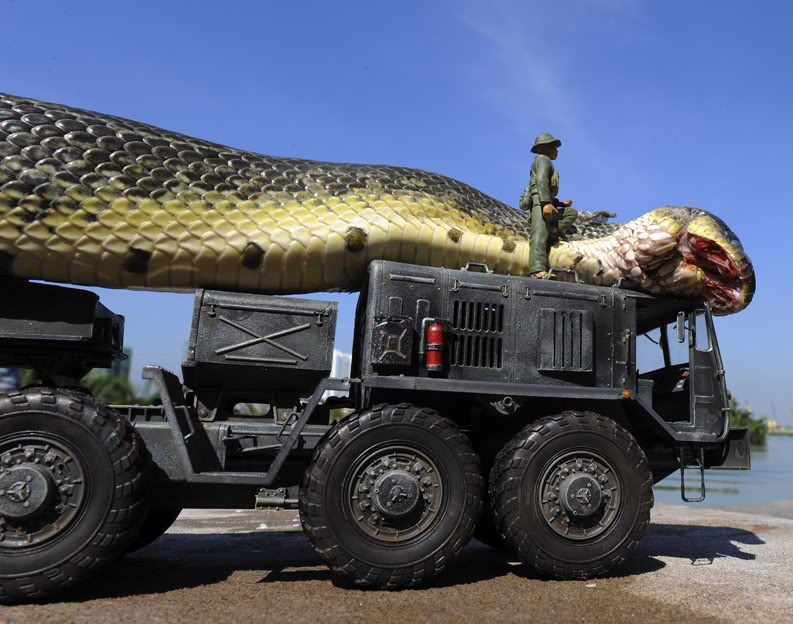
x,y
545,139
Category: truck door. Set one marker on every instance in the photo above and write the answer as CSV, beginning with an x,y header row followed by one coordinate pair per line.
x,y
708,390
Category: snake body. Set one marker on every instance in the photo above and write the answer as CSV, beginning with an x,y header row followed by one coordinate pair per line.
x,y
93,199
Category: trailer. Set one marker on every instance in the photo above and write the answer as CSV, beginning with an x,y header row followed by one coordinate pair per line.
x,y
478,404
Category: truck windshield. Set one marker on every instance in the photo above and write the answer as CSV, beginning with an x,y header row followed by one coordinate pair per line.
x,y
649,351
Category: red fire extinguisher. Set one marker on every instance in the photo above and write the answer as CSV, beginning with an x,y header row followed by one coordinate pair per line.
x,y
435,347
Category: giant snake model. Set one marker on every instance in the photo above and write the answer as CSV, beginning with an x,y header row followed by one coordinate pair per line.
x,y
92,199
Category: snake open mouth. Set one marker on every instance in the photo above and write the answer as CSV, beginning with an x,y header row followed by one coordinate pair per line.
x,y
728,284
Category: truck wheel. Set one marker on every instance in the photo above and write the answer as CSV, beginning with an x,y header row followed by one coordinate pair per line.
x,y
487,533
72,477
571,494
391,496
156,522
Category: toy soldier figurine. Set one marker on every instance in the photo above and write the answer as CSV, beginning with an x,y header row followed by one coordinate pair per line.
x,y
548,217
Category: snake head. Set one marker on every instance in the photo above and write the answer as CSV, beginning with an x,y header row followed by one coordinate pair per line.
x,y
673,250
724,271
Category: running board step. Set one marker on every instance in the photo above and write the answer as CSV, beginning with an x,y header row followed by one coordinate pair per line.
x,y
700,459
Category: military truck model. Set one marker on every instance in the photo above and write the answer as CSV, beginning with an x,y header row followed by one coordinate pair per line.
x,y
506,407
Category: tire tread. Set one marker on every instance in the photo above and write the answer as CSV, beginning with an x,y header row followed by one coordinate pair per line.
x,y
342,563
130,462
504,486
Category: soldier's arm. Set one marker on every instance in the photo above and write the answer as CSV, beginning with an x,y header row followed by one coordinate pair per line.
x,y
542,180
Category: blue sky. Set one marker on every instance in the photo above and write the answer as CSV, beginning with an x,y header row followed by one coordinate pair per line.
x,y
656,103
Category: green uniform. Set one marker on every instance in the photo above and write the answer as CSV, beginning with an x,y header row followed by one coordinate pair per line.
x,y
542,189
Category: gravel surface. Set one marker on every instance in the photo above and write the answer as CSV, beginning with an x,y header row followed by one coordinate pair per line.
x,y
697,564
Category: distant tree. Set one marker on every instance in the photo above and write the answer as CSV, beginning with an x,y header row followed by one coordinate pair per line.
x,y
27,377
113,389
742,417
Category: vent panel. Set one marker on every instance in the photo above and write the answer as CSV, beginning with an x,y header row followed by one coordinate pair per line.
x,y
477,340
565,340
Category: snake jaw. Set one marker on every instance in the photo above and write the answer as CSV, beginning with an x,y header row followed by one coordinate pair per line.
x,y
727,273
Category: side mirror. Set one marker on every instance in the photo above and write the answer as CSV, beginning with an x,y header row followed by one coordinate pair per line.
x,y
681,326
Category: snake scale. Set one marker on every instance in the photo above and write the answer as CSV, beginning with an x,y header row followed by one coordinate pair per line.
x,y
92,199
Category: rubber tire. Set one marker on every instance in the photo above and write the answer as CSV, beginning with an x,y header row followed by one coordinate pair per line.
x,y
487,533
360,561
157,521
114,461
518,469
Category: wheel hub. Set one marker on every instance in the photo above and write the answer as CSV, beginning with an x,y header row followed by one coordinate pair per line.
x,y
25,491
580,495
42,489
396,493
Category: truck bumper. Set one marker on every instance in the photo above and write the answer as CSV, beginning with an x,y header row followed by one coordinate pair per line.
x,y
734,454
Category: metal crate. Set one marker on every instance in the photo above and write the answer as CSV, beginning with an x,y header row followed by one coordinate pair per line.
x,y
259,342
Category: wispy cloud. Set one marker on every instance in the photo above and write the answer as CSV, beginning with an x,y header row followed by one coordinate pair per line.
x,y
526,73
518,73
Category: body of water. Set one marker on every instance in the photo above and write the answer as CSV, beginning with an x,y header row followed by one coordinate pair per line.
x,y
770,479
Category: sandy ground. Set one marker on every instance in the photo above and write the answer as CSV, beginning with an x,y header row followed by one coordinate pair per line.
x,y
694,564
